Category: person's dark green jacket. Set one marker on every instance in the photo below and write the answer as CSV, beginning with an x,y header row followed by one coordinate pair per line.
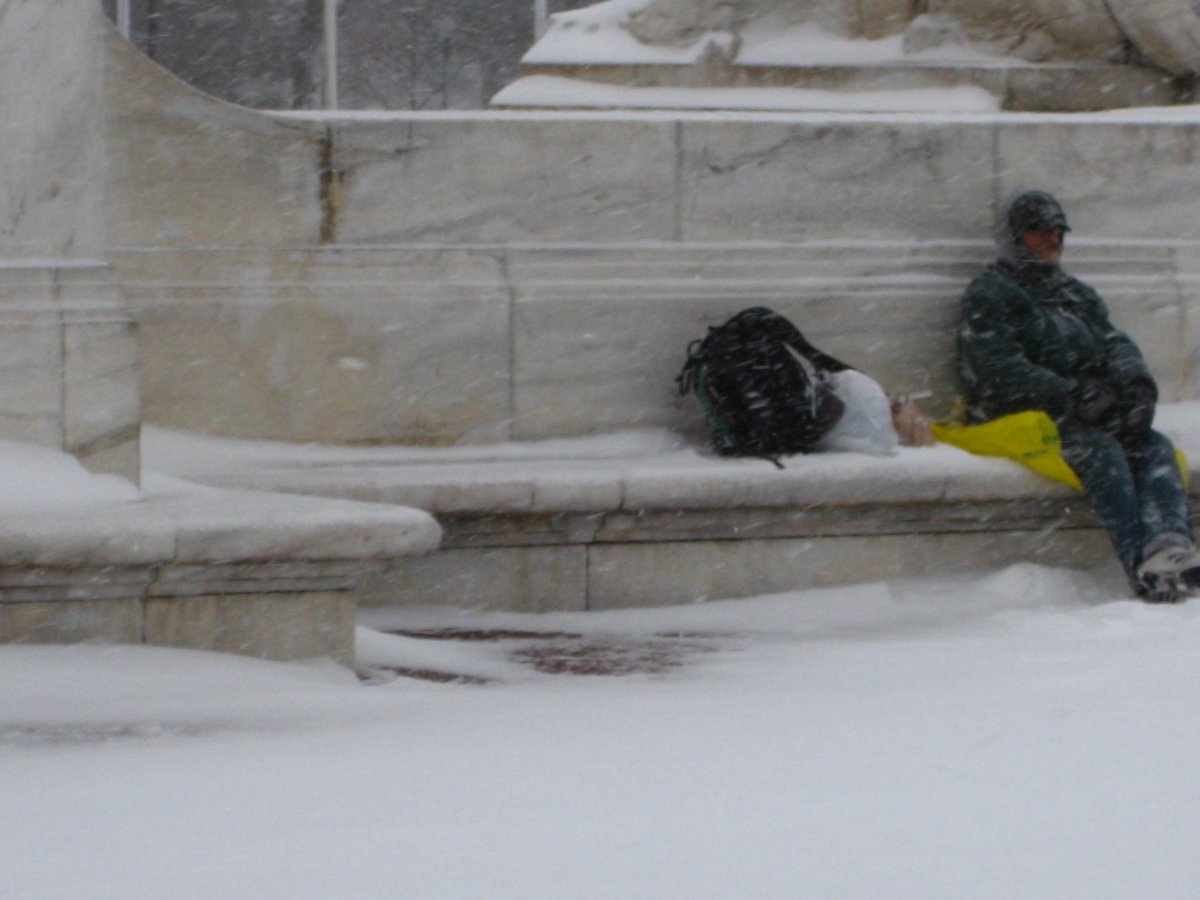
x,y
1030,335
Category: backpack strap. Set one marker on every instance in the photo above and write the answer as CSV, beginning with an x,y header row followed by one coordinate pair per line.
x,y
686,379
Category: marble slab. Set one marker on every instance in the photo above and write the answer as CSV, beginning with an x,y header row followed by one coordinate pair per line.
x,y
70,369
276,625
51,168
669,573
55,622
785,181
527,579
495,179
1135,180
321,345
31,384
183,167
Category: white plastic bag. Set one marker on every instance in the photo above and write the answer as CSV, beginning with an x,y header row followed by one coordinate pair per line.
x,y
866,425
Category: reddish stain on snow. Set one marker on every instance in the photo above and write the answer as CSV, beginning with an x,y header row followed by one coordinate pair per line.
x,y
567,653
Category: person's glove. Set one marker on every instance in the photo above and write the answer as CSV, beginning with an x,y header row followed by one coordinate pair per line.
x,y
1137,408
1092,402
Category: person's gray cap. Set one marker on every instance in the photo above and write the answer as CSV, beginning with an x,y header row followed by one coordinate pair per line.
x,y
1035,211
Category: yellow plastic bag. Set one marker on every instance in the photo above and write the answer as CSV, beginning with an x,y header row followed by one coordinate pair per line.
x,y
1031,438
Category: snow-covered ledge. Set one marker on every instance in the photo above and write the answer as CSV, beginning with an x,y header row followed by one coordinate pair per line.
x,y
649,518
92,558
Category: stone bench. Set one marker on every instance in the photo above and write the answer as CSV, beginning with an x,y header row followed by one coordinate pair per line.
x,y
234,571
482,346
647,518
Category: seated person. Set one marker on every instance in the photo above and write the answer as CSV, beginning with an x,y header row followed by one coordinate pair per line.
x,y
1033,337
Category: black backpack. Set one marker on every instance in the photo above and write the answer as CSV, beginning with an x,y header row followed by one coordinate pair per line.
x,y
762,385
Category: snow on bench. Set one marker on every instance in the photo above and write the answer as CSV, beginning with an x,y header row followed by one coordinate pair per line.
x,y
92,558
648,517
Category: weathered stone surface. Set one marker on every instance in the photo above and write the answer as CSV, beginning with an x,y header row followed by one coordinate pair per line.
x,y
528,579
182,167
1088,87
71,372
361,345
660,574
1144,191
543,342
51,177
792,181
31,383
116,620
271,625
1166,31
486,178
272,528
266,575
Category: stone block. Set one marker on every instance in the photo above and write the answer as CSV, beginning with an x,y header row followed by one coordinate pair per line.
x,y
69,376
538,528
31,386
113,620
1128,179
318,351
65,581
594,364
664,574
125,535
881,18
117,453
268,625
589,364
44,430
51,167
102,411
241,577
29,346
1075,89
526,579
802,180
497,177
185,169
574,493
97,349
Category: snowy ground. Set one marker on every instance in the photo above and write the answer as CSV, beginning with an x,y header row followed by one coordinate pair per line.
x,y
1019,734
1022,733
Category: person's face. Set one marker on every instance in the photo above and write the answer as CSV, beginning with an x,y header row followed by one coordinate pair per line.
x,y
1045,246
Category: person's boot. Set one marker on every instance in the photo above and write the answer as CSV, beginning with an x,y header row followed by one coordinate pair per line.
x,y
1170,570
1161,588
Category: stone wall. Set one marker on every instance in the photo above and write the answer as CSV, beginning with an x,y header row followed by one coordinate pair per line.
x,y
454,297
204,177
487,342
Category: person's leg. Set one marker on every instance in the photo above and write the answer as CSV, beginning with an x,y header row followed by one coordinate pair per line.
x,y
1170,563
1166,518
1100,462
